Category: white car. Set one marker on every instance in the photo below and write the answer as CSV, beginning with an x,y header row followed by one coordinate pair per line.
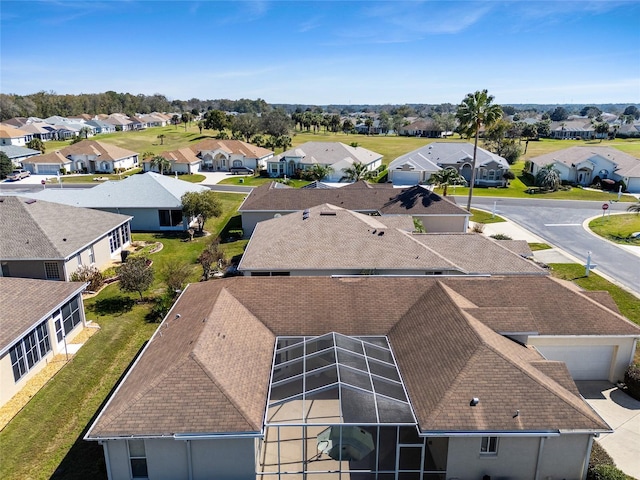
x,y
18,174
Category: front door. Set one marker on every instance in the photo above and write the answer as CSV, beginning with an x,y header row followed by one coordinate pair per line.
x,y
59,328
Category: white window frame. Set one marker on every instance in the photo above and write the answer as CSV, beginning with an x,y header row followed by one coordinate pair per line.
x,y
489,446
48,269
92,255
131,457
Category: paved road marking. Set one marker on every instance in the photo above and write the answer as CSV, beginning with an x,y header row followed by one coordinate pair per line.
x,y
562,224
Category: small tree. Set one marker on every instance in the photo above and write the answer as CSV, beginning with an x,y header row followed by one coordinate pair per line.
x,y
135,275
161,137
317,172
175,274
358,171
89,274
548,177
36,144
446,177
202,205
161,163
210,256
6,166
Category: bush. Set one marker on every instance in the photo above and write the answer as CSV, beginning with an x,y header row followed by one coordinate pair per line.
x,y
501,236
477,228
160,308
90,274
632,381
605,472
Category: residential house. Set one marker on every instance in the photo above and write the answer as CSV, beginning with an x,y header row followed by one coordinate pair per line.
x,y
581,165
50,163
45,240
413,168
154,201
40,129
101,126
457,155
437,214
183,160
38,318
577,129
154,120
120,121
221,155
366,377
374,129
336,155
13,136
18,154
421,128
328,240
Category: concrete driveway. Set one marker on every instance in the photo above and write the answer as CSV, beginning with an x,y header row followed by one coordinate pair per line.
x,y
622,413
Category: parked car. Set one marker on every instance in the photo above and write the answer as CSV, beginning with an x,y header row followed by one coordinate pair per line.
x,y
241,171
18,174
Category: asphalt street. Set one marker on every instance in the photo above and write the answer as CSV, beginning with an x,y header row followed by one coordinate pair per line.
x,y
560,224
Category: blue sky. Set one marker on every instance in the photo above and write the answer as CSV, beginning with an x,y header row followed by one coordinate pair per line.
x,y
341,52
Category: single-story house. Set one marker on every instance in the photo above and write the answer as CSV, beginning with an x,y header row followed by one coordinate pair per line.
x,y
413,168
17,154
421,128
119,121
155,119
581,129
101,127
153,200
436,213
38,318
328,240
40,239
418,165
581,165
13,136
183,160
39,129
367,377
336,155
221,155
88,156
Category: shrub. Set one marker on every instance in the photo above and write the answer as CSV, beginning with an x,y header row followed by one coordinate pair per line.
x,y
90,274
160,308
632,381
477,228
605,472
501,236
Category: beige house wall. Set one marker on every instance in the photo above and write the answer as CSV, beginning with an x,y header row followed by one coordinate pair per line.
x,y
562,457
30,269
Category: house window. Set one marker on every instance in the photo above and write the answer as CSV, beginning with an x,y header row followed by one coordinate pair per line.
x,y
137,459
114,240
92,255
79,259
52,270
170,218
489,446
28,351
126,237
237,163
71,315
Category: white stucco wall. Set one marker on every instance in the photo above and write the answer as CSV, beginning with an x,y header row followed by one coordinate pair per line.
x,y
443,224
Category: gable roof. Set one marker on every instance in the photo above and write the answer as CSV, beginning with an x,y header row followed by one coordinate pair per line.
x,y
358,196
39,230
182,155
51,158
333,239
18,316
7,131
573,155
330,153
236,147
207,369
453,153
145,190
15,151
105,151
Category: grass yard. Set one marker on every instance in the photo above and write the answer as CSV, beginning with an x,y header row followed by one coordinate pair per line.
x,y
44,440
618,228
539,246
257,181
482,216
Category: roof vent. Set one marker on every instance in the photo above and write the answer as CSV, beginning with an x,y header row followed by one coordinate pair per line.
x,y
305,214
328,213
474,401
30,201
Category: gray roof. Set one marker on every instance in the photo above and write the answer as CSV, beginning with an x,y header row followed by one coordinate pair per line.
x,y
330,238
330,153
20,316
451,153
147,190
416,160
38,230
14,151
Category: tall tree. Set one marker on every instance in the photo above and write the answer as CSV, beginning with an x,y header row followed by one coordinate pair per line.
x,y
6,166
601,129
161,163
85,131
276,123
548,177
476,111
202,205
215,120
446,177
245,125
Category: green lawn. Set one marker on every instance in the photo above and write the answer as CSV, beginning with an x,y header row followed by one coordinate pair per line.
x,y
257,181
618,228
45,439
538,246
482,216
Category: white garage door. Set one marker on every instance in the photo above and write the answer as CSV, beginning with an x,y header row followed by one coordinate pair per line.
x,y
44,169
584,362
401,177
634,185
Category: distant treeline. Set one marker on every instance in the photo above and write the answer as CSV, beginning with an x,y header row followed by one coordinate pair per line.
x,y
45,104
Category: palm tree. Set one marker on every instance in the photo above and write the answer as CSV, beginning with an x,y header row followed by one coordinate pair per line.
x,y
85,131
161,137
160,163
476,111
446,177
358,171
548,177
319,172
635,208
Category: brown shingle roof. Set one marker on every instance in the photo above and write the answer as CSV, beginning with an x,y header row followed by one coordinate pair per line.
x,y
93,147
207,371
359,196
232,147
54,158
182,155
25,302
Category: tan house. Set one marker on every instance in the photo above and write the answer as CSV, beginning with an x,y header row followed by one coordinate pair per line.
x,y
221,155
183,160
328,240
45,240
437,214
38,319
362,378
13,136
